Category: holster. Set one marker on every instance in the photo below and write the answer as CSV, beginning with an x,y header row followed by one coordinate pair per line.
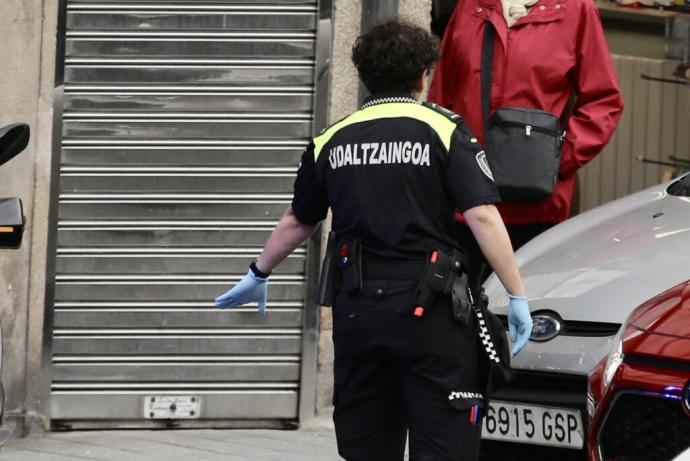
x,y
462,309
327,277
341,269
444,274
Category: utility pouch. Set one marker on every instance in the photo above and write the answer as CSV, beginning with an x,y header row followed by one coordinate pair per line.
x,y
349,264
327,276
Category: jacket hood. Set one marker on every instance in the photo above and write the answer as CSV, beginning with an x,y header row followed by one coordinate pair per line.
x,y
602,264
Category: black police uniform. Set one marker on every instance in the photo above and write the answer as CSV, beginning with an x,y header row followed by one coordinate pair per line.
x,y
393,173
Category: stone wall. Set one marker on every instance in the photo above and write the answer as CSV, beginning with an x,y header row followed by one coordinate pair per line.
x,y
27,33
28,30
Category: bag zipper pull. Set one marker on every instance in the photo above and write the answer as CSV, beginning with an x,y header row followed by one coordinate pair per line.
x,y
528,130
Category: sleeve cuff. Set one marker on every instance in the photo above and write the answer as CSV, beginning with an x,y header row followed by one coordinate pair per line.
x,y
305,218
255,270
486,200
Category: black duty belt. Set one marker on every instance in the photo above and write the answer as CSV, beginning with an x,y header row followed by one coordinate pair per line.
x,y
392,269
347,265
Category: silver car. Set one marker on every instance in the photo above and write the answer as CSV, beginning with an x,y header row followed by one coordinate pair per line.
x,y
583,278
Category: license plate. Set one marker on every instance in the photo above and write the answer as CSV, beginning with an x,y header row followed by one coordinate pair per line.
x,y
171,407
534,424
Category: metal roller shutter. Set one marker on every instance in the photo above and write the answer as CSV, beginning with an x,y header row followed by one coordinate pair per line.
x,y
182,125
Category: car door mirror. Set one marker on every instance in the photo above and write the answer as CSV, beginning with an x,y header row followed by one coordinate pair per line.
x,y
13,139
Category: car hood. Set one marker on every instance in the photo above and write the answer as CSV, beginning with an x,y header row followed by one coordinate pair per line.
x,y
667,314
600,265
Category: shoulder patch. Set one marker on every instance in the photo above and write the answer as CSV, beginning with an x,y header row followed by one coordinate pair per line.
x,y
484,165
443,111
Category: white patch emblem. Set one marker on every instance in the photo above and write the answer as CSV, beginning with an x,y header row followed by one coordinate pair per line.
x,y
464,395
484,165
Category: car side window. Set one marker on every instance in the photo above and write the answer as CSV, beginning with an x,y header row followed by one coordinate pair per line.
x,y
680,188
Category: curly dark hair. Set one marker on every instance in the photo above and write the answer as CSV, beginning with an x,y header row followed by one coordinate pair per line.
x,y
392,56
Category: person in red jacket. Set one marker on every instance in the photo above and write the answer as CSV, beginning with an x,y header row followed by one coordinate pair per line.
x,y
545,51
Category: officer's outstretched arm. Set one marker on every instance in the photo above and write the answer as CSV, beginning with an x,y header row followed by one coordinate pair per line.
x,y
490,232
287,235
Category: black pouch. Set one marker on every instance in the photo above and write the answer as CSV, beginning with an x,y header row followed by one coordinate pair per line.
x,y
494,363
523,148
350,265
473,402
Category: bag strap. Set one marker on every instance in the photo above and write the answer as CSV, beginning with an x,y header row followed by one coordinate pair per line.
x,y
565,116
487,70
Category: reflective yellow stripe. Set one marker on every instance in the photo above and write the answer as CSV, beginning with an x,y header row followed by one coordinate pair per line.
x,y
443,126
6,230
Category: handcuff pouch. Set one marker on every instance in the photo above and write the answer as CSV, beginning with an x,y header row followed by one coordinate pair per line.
x,y
349,263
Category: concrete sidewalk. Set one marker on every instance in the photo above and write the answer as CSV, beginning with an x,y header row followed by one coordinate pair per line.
x,y
315,443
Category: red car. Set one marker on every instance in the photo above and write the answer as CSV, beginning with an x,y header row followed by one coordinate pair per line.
x,y
638,397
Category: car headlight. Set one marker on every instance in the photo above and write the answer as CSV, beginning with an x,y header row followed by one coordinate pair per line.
x,y
614,359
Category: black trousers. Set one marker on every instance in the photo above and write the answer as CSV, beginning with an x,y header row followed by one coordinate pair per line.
x,y
394,372
479,269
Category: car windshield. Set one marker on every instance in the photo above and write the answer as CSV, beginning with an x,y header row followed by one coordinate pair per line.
x,y
680,188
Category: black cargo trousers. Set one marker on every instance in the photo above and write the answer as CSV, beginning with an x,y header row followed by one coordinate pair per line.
x,y
394,372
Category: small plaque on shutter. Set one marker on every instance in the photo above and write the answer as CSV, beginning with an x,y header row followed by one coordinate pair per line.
x,y
172,407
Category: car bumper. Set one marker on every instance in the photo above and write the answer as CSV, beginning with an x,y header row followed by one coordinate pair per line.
x,y
540,388
564,354
645,414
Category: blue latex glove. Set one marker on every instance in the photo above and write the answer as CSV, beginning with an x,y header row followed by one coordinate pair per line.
x,y
519,323
250,289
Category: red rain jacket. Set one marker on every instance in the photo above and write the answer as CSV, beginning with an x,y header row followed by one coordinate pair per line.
x,y
557,49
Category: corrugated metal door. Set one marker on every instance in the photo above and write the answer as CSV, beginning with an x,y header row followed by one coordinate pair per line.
x,y
182,126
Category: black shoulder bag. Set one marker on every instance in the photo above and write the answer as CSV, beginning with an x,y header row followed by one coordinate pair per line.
x,y
523,146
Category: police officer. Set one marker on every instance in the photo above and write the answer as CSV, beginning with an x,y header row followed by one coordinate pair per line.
x,y
393,172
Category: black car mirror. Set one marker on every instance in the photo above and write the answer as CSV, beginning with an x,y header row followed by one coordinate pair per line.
x,y
13,139
11,223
